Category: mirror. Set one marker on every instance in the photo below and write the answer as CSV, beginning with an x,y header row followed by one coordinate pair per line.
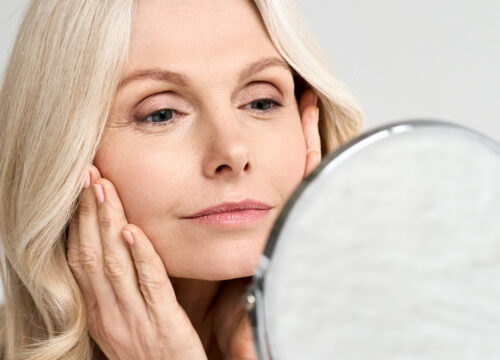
x,y
389,249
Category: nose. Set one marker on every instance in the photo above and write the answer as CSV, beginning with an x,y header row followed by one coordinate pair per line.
x,y
226,148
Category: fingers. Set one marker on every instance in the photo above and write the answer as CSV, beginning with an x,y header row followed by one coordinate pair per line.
x,y
107,272
154,284
242,343
110,272
229,320
73,245
118,299
90,247
73,253
138,276
117,263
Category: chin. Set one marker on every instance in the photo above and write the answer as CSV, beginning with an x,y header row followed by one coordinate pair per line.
x,y
231,268
216,255
220,263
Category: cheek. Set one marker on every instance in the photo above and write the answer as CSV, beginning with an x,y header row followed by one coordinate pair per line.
x,y
286,159
144,179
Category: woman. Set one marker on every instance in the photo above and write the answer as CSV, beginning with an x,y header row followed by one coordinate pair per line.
x,y
122,122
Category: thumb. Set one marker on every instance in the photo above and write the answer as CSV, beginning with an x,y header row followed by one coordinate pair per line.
x,y
231,322
241,344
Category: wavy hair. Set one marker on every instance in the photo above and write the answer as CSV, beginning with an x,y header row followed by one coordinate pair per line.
x,y
56,95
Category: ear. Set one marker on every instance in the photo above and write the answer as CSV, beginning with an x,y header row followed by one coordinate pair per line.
x,y
309,117
301,89
307,98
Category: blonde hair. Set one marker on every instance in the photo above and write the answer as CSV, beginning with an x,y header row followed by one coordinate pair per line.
x,y
341,119
56,95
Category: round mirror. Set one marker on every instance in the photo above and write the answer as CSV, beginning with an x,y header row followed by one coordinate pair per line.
x,y
390,249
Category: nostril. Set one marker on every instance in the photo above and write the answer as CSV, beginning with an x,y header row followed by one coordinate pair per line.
x,y
219,169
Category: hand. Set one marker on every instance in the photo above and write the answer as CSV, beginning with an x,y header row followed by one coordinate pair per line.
x,y
232,324
310,118
131,306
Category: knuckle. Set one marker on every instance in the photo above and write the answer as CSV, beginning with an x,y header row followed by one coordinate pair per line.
x,y
114,267
89,260
73,259
150,288
149,279
106,222
86,207
145,269
144,262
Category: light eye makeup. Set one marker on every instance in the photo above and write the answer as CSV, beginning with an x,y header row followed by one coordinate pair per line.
x,y
165,116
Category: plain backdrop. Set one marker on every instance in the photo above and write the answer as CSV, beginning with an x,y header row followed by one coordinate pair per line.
x,y
404,59
433,59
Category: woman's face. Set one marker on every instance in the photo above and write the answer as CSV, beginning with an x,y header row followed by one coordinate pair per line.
x,y
190,129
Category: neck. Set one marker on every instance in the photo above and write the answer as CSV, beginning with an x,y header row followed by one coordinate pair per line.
x,y
196,298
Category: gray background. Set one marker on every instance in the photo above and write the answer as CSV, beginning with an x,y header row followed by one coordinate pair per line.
x,y
406,59
401,59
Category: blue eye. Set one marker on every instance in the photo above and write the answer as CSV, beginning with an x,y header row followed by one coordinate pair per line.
x,y
263,105
165,116
160,117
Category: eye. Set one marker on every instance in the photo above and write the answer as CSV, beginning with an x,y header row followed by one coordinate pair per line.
x,y
165,116
263,105
159,118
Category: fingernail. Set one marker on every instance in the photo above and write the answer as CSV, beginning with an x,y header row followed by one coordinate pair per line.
x,y
315,99
86,183
128,236
99,194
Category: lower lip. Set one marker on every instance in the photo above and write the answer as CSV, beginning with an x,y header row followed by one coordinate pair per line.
x,y
234,218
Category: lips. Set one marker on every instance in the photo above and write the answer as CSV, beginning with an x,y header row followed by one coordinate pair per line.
x,y
231,207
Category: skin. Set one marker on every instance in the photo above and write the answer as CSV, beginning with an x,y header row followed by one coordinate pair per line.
x,y
177,288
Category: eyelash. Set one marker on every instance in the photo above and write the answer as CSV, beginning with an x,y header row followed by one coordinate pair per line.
x,y
164,123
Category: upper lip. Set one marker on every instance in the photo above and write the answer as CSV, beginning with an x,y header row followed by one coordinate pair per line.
x,y
248,204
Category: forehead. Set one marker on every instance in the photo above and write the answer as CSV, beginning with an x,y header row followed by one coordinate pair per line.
x,y
197,36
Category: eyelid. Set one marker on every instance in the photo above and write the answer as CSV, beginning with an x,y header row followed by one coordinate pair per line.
x,y
141,119
263,89
255,91
154,110
158,101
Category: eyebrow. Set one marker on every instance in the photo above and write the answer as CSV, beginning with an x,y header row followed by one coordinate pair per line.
x,y
182,80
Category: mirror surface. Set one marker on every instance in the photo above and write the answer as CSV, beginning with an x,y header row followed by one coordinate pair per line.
x,y
389,250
